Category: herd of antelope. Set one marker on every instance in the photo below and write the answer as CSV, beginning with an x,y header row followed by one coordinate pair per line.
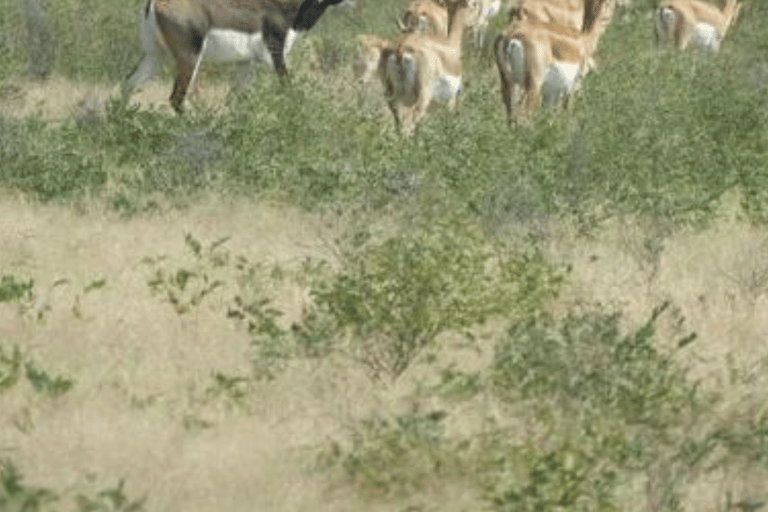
x,y
542,55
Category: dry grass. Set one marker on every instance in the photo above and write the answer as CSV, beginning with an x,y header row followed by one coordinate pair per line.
x,y
58,98
137,409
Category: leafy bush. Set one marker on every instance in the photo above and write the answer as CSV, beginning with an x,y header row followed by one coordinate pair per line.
x,y
14,290
395,296
48,163
609,405
662,133
398,455
43,383
246,290
584,360
564,477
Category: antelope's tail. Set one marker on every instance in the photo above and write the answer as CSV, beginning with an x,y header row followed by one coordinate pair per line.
x,y
666,20
400,73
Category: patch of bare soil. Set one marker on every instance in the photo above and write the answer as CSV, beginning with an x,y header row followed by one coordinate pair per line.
x,y
137,409
58,98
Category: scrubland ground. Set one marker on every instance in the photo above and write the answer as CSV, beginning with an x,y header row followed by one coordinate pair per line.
x,y
164,400
277,303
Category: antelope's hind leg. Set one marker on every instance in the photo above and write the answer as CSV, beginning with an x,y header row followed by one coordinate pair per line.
x,y
152,55
186,46
141,73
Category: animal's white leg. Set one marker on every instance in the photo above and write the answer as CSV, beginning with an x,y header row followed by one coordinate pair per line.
x,y
153,53
143,72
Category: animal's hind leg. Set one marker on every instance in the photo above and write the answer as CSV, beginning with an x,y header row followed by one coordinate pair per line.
x,y
186,70
187,46
143,71
683,29
275,40
392,103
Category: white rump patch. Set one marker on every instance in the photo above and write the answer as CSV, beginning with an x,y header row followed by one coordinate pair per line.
x,y
226,45
446,88
560,80
705,36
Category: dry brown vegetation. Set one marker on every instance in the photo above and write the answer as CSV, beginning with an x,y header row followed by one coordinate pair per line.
x,y
139,409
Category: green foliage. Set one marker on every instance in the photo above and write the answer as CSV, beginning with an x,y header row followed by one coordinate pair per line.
x,y
246,289
272,345
293,140
156,156
10,367
398,455
48,163
745,441
15,496
43,383
110,500
41,44
234,390
395,296
678,134
662,133
14,290
77,38
592,369
609,405
565,477
185,288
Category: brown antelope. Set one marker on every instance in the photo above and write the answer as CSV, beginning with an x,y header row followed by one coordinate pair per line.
x,y
426,17
418,69
544,58
548,11
219,30
369,49
682,22
423,16
576,14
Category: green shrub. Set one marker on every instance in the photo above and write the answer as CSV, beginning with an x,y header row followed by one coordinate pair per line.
x,y
14,290
564,477
399,455
394,296
592,368
609,405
